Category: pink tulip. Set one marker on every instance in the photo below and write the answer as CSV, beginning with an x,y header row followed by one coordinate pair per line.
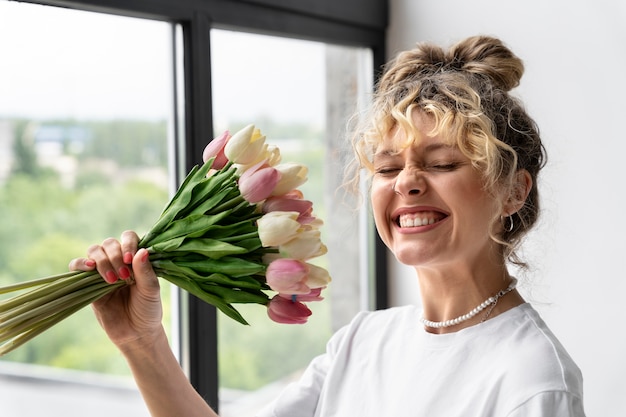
x,y
288,276
215,148
288,202
258,182
293,201
283,310
314,295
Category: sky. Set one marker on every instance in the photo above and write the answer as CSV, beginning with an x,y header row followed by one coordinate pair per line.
x,y
64,63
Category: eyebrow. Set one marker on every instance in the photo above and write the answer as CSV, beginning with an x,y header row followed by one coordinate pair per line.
x,y
429,148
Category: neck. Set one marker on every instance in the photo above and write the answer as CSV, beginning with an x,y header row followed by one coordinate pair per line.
x,y
450,294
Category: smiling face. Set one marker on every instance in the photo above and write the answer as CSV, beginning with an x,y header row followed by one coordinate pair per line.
x,y
430,205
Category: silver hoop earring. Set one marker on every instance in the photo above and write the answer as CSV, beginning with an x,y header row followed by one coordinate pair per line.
x,y
507,227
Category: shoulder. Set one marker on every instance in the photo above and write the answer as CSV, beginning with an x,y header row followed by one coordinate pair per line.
x,y
534,355
375,327
381,319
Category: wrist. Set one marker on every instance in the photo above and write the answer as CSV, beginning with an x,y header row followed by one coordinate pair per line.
x,y
145,344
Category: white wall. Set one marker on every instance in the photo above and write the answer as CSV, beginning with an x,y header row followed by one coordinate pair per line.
x,y
575,88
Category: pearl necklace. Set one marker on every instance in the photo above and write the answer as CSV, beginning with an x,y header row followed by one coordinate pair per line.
x,y
491,301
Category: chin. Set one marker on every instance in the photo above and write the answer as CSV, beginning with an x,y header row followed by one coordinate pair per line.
x,y
410,257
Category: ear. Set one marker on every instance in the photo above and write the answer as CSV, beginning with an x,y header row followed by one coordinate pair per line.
x,y
519,192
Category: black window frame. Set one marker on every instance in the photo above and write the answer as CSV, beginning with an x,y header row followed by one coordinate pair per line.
x,y
347,22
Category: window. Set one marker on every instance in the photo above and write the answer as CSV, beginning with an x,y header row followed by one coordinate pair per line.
x,y
85,121
346,42
299,93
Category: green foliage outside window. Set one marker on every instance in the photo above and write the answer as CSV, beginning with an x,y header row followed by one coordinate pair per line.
x,y
44,222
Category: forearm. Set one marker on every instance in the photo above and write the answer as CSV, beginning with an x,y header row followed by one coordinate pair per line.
x,y
161,381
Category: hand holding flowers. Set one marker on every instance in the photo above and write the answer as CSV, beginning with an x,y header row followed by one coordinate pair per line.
x,y
236,228
132,312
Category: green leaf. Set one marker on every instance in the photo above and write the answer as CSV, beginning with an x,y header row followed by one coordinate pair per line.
x,y
177,203
219,197
230,232
183,188
194,289
193,226
250,244
235,267
167,267
248,282
211,186
211,248
232,295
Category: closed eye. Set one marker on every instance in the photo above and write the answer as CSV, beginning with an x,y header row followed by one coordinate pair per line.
x,y
387,171
445,166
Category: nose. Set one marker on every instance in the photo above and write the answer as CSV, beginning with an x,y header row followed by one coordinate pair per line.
x,y
409,182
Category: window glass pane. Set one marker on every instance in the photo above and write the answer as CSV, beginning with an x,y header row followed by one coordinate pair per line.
x,y
299,93
85,117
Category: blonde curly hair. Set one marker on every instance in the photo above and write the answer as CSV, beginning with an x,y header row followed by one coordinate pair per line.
x,y
466,91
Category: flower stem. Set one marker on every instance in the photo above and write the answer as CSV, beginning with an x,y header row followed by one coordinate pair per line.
x,y
51,304
36,282
43,324
46,288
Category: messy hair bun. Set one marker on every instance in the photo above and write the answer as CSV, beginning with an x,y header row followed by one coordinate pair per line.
x,y
482,56
466,91
489,57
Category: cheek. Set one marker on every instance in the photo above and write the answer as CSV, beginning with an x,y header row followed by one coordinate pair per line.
x,y
380,195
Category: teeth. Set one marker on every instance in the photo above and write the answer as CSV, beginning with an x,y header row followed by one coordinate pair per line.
x,y
416,221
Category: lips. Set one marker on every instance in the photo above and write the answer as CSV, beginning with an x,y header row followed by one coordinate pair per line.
x,y
419,218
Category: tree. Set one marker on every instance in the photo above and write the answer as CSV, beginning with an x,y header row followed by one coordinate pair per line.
x,y
25,157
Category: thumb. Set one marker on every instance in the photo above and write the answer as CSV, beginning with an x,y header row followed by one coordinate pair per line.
x,y
145,277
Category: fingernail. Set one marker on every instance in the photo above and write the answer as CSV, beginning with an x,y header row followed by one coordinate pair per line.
x,y
89,263
128,258
124,272
110,277
144,256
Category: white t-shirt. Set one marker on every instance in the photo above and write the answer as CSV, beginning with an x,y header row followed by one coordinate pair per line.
x,y
384,364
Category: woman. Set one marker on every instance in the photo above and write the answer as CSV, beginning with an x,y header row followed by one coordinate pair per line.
x,y
454,161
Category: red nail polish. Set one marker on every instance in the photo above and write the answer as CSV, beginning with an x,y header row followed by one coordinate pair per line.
x,y
89,263
128,258
124,272
145,256
110,277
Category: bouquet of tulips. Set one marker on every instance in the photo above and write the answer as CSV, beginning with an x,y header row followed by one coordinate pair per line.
x,y
236,229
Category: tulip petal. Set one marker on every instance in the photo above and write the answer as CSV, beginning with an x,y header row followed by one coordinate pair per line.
x,y
245,146
283,203
282,310
257,183
215,149
288,276
314,295
305,245
278,227
292,176
318,277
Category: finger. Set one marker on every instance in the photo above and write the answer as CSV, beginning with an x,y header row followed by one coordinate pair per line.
x,y
82,264
145,278
129,241
103,264
113,249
